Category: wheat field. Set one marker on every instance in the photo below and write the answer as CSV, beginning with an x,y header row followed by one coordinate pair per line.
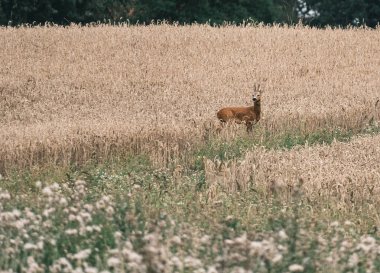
x,y
348,173
169,190
71,94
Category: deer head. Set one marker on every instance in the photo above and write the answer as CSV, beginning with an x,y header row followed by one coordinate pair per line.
x,y
256,97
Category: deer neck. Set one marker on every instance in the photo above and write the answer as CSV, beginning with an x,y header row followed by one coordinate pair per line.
x,y
256,108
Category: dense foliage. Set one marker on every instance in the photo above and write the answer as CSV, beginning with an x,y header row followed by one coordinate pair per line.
x,y
344,12
341,12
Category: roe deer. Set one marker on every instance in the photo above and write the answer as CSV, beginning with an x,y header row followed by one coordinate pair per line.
x,y
249,115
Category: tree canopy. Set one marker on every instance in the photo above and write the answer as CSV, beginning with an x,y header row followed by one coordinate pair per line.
x,y
313,12
343,13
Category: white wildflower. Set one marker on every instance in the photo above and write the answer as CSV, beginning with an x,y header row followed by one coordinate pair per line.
x,y
348,223
353,260
55,186
176,262
229,218
106,198
176,240
79,219
63,202
346,245
277,258
205,239
118,235
16,213
78,270
238,270
33,266
4,195
256,248
114,251
296,268
329,259
82,255
61,265
110,210
47,224
162,223
80,187
96,228
229,242
132,256
47,191
236,257
40,245
241,240
73,210
29,214
48,211
85,216
128,245
191,262
212,269
151,237
322,241
38,184
113,262
89,229
88,207
71,231
20,224
64,262
282,234
100,204
367,243
368,240
79,183
134,267
30,246
89,269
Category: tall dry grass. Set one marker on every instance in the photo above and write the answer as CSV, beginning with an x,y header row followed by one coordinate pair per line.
x,y
71,94
347,173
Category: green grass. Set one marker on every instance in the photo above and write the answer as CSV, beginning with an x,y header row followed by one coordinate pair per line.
x,y
219,149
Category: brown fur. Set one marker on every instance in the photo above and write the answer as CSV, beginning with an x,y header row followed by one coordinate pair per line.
x,y
248,115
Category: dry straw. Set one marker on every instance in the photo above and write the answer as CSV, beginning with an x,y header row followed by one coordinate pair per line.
x,y
75,93
346,172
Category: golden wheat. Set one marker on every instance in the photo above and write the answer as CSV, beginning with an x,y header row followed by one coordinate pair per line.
x,y
346,172
75,93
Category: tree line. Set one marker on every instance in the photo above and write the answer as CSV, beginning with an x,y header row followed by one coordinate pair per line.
x,y
311,12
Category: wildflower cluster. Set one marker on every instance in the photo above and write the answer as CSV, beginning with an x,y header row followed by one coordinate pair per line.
x,y
67,231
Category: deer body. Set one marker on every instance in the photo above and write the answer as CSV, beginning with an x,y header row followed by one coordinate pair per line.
x,y
248,115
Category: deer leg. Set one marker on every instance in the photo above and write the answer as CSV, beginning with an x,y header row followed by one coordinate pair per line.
x,y
249,126
221,126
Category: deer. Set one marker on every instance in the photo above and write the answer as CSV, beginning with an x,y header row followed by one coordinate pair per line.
x,y
249,115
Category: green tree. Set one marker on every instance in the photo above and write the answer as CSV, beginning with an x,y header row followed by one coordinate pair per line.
x,y
287,10
344,12
3,16
144,11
